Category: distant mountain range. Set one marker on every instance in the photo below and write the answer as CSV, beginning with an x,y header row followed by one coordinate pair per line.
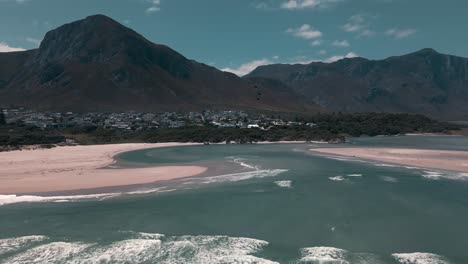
x,y
97,64
424,82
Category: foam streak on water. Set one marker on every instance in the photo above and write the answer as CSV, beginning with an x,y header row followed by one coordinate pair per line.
x,y
284,184
243,163
234,177
256,172
337,178
13,198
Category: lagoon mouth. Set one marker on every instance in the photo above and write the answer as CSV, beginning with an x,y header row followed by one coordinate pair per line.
x,y
271,193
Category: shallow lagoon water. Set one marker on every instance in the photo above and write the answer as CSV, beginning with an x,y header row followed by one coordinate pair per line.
x,y
273,204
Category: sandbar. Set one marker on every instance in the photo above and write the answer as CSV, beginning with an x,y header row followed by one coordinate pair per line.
x,y
422,158
81,167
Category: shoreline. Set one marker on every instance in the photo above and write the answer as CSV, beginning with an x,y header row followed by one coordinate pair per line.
x,y
449,160
73,168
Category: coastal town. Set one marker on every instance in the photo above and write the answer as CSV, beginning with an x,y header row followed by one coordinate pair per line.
x,y
145,121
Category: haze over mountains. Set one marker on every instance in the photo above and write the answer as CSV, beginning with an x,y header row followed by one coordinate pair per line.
x,y
97,64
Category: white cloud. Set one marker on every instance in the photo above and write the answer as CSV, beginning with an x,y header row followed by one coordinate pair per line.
x,y
340,57
17,1
322,52
341,43
315,43
263,6
305,32
5,48
400,33
153,9
358,24
302,4
247,67
355,23
366,33
154,6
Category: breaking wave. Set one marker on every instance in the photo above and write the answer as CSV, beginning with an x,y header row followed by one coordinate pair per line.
x,y
12,244
56,252
329,255
136,247
420,258
150,248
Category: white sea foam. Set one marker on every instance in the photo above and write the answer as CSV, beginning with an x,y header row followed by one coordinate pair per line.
x,y
412,168
331,255
147,191
150,248
148,235
13,198
389,179
13,244
243,163
284,184
9,199
146,248
432,175
234,177
354,175
420,258
126,251
57,252
211,249
324,255
337,178
386,165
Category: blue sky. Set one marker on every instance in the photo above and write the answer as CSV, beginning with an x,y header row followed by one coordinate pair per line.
x,y
238,35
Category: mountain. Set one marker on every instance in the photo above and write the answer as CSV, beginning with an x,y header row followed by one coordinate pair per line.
x,y
97,64
424,82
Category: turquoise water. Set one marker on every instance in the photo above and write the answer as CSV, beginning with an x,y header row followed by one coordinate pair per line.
x,y
259,204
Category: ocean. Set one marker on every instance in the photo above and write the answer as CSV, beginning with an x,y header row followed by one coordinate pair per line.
x,y
275,203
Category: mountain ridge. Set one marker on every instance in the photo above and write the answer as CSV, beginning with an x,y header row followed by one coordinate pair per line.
x,y
424,82
97,64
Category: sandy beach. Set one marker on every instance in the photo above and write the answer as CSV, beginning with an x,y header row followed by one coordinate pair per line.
x,y
80,167
431,159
